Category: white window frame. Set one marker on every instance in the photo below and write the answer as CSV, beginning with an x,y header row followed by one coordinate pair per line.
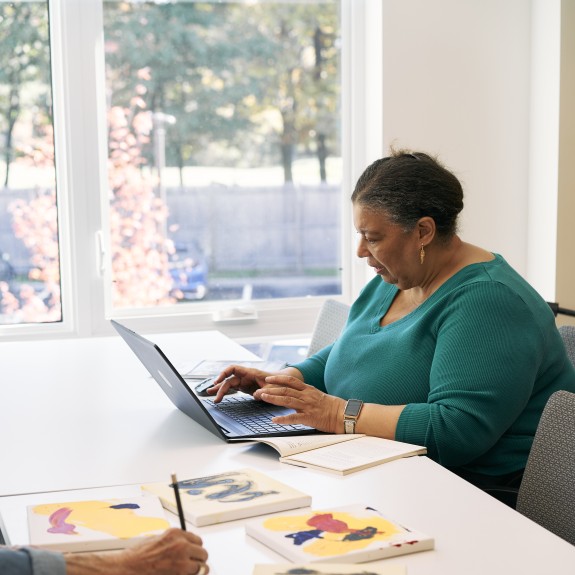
x,y
81,156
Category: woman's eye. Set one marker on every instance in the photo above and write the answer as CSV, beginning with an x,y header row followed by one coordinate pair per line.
x,y
370,241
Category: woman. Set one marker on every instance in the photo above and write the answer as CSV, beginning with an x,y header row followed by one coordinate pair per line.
x,y
446,347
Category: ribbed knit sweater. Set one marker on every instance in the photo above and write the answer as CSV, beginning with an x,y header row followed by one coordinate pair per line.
x,y
474,364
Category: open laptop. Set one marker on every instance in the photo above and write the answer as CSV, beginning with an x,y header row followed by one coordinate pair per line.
x,y
237,416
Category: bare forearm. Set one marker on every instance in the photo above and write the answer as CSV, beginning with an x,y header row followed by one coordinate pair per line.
x,y
376,420
94,564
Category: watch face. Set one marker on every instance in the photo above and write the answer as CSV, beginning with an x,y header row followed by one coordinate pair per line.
x,y
353,407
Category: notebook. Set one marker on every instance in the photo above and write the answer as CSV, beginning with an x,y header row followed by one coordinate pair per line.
x,y
348,534
236,417
95,524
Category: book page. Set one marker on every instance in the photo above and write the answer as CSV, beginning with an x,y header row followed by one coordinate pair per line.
x,y
292,444
363,452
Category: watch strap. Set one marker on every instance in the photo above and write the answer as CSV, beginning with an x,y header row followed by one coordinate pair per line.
x,y
349,425
350,414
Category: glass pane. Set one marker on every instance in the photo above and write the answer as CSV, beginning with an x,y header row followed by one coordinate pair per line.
x,y
29,252
224,149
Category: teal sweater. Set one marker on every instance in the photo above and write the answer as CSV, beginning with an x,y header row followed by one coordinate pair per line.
x,y
475,364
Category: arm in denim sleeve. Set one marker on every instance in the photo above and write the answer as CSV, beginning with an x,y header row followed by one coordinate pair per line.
x,y
29,561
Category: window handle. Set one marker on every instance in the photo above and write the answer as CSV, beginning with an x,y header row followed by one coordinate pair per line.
x,y
101,254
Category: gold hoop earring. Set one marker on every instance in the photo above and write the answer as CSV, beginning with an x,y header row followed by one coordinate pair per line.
x,y
421,255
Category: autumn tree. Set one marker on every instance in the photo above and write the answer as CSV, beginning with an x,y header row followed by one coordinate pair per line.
x,y
140,248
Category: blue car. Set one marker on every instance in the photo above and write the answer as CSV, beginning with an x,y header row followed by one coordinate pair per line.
x,y
7,272
189,271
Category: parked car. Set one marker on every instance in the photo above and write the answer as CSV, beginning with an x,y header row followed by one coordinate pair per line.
x,y
189,271
7,272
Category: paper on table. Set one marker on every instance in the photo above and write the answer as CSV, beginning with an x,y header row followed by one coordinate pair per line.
x,y
352,456
292,444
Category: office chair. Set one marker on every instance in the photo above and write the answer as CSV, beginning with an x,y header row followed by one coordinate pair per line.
x,y
510,495
328,325
568,334
547,491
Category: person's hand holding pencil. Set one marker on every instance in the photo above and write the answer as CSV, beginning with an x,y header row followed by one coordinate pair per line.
x,y
203,569
175,552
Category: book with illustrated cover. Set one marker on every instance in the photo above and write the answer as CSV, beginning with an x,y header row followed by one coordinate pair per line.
x,y
229,496
339,453
348,534
95,525
328,569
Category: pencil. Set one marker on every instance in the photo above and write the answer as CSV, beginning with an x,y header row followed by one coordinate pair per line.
x,y
178,502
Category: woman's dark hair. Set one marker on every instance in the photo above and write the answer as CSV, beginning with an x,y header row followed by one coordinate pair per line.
x,y
408,186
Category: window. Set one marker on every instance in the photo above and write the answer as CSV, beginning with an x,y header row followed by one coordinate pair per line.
x,y
224,150
29,255
199,150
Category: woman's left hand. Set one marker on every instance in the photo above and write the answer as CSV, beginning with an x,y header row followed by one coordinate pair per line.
x,y
312,407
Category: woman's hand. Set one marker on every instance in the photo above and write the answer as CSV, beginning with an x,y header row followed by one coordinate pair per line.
x,y
246,379
312,407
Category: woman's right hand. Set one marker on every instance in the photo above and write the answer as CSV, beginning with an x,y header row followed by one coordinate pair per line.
x,y
246,379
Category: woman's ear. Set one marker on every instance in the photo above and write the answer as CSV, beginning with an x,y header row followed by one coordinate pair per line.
x,y
426,229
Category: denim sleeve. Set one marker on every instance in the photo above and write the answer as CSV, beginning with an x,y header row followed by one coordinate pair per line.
x,y
47,562
27,561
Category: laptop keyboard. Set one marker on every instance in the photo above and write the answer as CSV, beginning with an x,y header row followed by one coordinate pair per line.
x,y
255,415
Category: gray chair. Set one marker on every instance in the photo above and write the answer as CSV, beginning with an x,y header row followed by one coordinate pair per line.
x,y
328,325
547,491
568,334
510,495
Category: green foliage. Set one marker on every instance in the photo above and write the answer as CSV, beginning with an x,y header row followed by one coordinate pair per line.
x,y
24,71
248,83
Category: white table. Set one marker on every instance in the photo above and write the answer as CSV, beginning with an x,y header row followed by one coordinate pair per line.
x,y
84,413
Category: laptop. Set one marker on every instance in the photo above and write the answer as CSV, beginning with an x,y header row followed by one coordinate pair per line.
x,y
238,416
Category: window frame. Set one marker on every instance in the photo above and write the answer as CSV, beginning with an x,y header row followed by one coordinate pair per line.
x,y
78,75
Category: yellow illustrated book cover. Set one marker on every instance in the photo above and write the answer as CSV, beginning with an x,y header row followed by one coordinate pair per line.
x,y
96,525
229,496
349,534
328,569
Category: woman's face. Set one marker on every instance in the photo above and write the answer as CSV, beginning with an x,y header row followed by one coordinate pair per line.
x,y
391,251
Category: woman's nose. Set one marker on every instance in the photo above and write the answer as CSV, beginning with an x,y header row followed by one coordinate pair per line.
x,y
361,250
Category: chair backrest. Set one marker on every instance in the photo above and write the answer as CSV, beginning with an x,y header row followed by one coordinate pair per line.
x,y
547,491
328,325
568,334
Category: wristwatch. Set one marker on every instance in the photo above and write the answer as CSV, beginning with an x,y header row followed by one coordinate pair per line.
x,y
350,414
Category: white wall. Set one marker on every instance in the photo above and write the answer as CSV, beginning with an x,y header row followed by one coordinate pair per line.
x,y
457,83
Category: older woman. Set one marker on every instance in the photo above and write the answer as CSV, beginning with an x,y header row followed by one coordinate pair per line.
x,y
446,347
